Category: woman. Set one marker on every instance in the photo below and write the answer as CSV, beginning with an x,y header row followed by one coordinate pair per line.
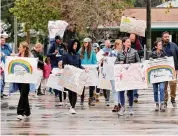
x,y
23,108
72,58
158,53
131,56
88,57
117,50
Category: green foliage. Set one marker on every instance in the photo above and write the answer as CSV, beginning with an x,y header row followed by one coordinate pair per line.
x,y
35,13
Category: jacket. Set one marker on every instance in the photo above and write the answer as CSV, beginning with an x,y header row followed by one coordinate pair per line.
x,y
155,55
40,58
174,50
120,57
6,51
91,60
53,58
72,57
47,70
137,46
131,56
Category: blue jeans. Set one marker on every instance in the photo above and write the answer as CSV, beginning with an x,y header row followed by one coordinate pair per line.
x,y
116,95
156,89
130,96
136,93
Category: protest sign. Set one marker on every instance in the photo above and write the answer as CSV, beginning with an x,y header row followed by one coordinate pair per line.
x,y
21,70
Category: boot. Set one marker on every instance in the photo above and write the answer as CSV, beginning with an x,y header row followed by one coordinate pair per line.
x,y
91,102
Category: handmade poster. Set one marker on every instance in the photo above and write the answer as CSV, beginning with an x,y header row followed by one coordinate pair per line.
x,y
100,55
108,68
92,75
130,76
103,83
57,28
160,70
73,79
132,25
21,70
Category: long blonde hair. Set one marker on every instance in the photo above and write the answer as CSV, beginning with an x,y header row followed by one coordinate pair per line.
x,y
26,46
119,42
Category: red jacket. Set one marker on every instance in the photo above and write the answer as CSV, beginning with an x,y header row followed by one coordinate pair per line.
x,y
47,70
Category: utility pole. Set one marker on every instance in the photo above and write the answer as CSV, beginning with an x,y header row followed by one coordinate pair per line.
x,y
15,34
148,32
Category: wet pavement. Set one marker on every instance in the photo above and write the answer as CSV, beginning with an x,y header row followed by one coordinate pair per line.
x,y
48,118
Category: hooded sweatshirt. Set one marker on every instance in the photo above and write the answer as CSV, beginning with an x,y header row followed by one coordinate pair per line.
x,y
72,57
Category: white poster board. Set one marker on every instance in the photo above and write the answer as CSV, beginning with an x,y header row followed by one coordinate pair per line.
x,y
130,76
73,79
92,75
132,25
103,83
100,55
39,76
108,68
21,70
56,27
160,70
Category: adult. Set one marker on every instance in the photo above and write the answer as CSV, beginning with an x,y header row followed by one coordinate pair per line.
x,y
23,108
88,57
135,44
56,51
36,52
171,50
117,51
72,58
5,51
107,51
131,56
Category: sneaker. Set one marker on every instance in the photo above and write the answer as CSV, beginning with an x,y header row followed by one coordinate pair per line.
x,y
20,117
162,107
157,107
131,111
135,99
173,103
91,102
121,112
116,108
72,111
165,105
107,103
60,103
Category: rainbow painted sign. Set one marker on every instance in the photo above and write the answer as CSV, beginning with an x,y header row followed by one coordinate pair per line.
x,y
160,70
19,62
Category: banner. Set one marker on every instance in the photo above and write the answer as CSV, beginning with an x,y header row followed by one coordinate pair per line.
x,y
132,25
73,79
21,70
130,76
108,68
56,27
160,70
100,55
103,83
92,75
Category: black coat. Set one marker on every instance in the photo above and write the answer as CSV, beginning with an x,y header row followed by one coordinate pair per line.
x,y
40,59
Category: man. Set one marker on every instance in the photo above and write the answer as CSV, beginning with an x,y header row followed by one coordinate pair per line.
x,y
107,50
5,51
171,49
135,44
56,51
36,53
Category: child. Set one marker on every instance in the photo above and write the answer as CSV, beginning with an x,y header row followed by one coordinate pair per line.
x,y
46,72
58,71
158,53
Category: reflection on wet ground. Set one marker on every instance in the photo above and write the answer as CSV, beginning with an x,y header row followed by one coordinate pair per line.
x,y
48,118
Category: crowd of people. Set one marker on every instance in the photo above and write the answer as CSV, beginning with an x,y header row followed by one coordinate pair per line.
x,y
126,50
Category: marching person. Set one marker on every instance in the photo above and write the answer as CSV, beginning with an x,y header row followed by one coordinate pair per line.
x,y
107,51
171,50
36,52
117,50
5,51
158,53
23,109
88,57
72,58
131,56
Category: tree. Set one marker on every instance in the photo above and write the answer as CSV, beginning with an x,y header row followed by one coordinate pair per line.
x,y
35,14
91,13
